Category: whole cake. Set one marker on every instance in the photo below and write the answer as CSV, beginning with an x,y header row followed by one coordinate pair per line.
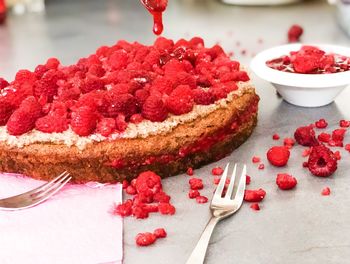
x,y
126,109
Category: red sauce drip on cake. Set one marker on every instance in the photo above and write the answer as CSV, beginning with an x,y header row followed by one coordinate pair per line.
x,y
156,8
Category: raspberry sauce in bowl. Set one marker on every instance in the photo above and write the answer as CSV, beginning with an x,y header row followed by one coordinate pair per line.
x,y
305,75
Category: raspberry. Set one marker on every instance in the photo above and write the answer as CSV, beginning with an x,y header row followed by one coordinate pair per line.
x,y
47,85
106,126
256,159
189,171
125,104
255,206
322,161
160,233
196,184
217,171
324,137
83,121
52,63
25,76
166,209
285,181
278,156
3,83
201,199
248,180
254,195
322,123
6,110
203,97
193,194
261,166
145,239
305,164
337,155
54,122
154,109
347,147
139,212
333,143
118,60
180,100
326,191
161,197
305,136
338,134
120,123
289,142
344,123
148,181
275,137
136,118
130,190
124,209
306,152
163,43
23,119
125,184
294,33
92,83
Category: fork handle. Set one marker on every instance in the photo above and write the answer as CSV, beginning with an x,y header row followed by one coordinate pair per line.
x,y
198,254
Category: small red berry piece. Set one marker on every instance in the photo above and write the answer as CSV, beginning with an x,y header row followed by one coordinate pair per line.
x,y
161,197
306,152
322,161
261,166
305,164
337,155
189,171
338,134
139,212
294,33
254,195
347,147
160,233
285,181
278,156
305,136
275,137
166,209
201,199
256,159
125,184
255,206
130,190
148,181
123,209
217,171
322,123
196,184
145,239
248,180
289,142
324,137
326,191
83,121
193,194
216,180
344,123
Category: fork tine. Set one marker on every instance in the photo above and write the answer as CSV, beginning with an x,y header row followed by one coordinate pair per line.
x,y
53,186
51,192
221,184
232,182
241,187
48,184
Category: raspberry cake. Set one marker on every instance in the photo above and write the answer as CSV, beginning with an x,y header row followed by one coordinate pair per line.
x,y
125,109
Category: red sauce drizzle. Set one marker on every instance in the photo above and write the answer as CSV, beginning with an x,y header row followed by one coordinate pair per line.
x,y
156,8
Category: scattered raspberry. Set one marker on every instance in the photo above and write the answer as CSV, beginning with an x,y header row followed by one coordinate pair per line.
x,y
306,152
154,109
125,104
83,121
338,134
217,171
125,184
344,123
148,181
305,136
161,197
337,155
278,156
347,147
333,143
305,164
248,179
326,191
160,233
285,181
202,97
201,199
193,194
166,209
136,118
124,209
190,171
322,123
289,142
324,137
256,159
275,137
294,33
139,212
322,161
145,239
254,195
196,184
3,83
261,166
255,206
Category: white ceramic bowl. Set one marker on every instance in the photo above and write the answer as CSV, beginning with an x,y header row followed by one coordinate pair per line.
x,y
308,90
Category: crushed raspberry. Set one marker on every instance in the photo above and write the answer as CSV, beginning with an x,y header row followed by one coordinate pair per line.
x,y
256,159
278,156
189,171
145,239
261,166
294,33
324,137
333,143
347,147
130,190
154,109
322,123
288,142
193,194
83,121
3,83
305,164
166,209
148,181
337,155
161,197
216,180
255,206
248,180
217,171
285,181
322,161
306,152
306,136
160,233
201,199
338,134
254,195
136,118
139,212
344,123
275,137
124,209
326,191
196,184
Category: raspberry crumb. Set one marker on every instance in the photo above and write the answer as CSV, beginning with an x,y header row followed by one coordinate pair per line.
x,y
255,206
160,233
189,171
275,137
278,156
326,191
254,195
285,181
294,33
324,137
196,184
201,199
216,180
347,147
289,142
248,180
344,123
145,239
261,166
256,159
322,123
337,155
306,152
306,136
217,171
193,194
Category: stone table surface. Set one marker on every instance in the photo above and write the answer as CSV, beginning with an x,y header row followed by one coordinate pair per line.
x,y
298,226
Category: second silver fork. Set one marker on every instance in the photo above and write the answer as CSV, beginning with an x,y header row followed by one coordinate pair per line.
x,y
222,206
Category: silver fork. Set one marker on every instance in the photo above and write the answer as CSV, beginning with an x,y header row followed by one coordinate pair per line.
x,y
36,196
221,206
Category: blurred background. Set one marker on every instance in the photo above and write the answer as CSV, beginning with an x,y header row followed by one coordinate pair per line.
x,y
33,30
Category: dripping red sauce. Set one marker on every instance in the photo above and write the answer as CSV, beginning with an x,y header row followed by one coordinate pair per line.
x,y
156,8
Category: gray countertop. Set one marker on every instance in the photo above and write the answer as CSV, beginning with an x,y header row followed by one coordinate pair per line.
x,y
298,226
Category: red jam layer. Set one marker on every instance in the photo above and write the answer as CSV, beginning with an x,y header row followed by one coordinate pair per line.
x,y
202,145
310,60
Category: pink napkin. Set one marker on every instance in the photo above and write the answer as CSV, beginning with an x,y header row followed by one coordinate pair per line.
x,y
74,226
